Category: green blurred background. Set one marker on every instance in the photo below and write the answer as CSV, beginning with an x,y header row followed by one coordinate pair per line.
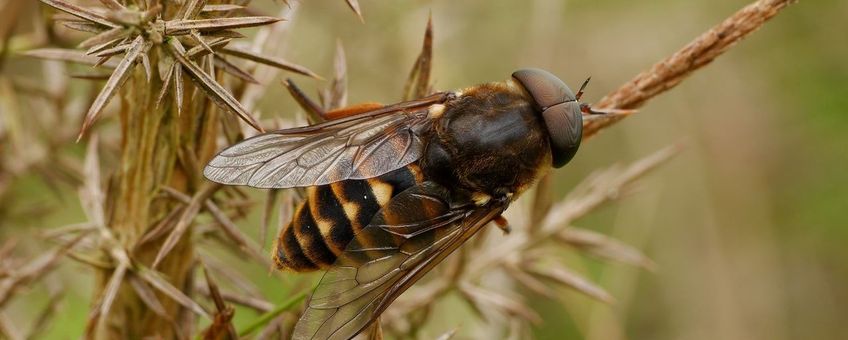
x,y
747,226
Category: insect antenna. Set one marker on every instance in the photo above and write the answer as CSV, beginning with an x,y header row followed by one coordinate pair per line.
x,y
582,87
587,109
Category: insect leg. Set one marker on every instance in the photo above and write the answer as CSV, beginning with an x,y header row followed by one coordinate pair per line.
x,y
503,224
351,110
317,114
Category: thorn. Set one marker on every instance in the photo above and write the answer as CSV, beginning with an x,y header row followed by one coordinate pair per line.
x,y
354,5
307,104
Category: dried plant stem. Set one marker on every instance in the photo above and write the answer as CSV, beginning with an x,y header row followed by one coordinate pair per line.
x,y
8,330
153,140
9,18
667,73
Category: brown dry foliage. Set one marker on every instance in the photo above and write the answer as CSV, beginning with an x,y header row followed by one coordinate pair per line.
x,y
145,234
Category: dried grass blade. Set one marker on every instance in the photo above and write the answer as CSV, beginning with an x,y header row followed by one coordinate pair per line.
x,y
106,37
542,202
232,231
225,34
61,54
79,12
212,89
208,62
568,278
354,5
286,210
7,248
188,215
270,61
114,47
91,194
223,318
111,290
418,82
480,311
82,26
181,27
119,76
148,70
166,84
108,52
234,70
42,322
148,296
227,226
61,233
314,112
601,188
239,281
178,88
155,280
102,61
164,225
221,8
267,213
221,326
8,330
448,335
260,305
112,4
151,300
154,9
530,282
194,34
90,261
199,51
501,302
193,8
376,331
336,95
34,269
605,247
647,164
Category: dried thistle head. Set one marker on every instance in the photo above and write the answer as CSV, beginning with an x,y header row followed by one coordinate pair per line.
x,y
189,38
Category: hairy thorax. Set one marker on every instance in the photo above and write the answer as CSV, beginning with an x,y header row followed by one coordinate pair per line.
x,y
487,142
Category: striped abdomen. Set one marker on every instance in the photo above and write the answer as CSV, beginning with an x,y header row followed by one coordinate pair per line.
x,y
327,219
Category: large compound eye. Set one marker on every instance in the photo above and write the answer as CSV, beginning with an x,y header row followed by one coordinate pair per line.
x,y
547,90
560,110
565,127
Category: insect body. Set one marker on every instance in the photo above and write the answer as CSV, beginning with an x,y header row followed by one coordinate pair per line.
x,y
393,190
325,222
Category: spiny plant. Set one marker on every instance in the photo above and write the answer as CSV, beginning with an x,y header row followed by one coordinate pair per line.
x,y
181,95
141,227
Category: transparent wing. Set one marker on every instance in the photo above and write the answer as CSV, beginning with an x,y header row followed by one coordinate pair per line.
x,y
358,147
413,233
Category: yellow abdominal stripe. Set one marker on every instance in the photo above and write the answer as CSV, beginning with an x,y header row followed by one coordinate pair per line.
x,y
382,191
